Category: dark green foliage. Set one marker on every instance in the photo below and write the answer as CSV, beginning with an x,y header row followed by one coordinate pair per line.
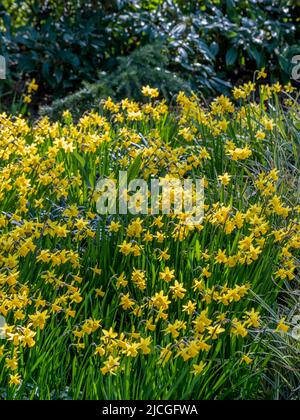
x,y
226,40
207,43
59,51
87,98
145,66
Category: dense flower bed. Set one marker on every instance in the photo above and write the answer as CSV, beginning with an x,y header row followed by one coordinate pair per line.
x,y
138,306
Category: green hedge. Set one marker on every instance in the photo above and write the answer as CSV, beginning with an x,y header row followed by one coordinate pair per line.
x,y
207,43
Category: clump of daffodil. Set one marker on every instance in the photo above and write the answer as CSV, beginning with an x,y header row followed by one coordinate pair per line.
x,y
116,295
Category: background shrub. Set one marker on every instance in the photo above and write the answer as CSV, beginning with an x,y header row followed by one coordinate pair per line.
x,y
207,44
146,65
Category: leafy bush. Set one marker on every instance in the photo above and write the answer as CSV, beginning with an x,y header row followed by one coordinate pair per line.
x,y
145,66
59,53
207,43
229,39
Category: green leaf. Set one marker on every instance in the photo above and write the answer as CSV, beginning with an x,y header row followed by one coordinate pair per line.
x,y
80,159
231,56
134,168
